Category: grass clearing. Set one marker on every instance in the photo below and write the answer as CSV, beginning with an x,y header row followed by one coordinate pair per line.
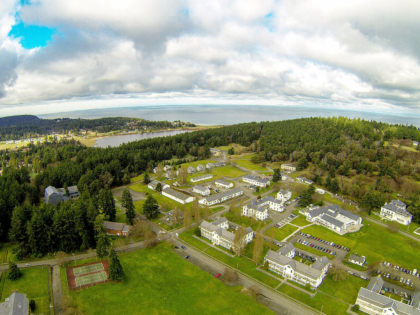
x,y
300,220
246,163
320,301
227,171
139,178
346,290
280,234
33,283
158,281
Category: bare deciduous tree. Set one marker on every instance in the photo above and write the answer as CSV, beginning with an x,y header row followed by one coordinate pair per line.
x,y
239,242
187,219
159,170
140,228
206,212
254,291
60,258
150,239
258,247
230,275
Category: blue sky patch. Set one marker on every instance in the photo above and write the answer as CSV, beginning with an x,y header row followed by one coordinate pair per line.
x,y
32,36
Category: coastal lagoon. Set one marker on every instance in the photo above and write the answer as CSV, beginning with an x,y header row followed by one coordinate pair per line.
x,y
115,141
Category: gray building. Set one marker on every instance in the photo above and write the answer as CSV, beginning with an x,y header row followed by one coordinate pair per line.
x,y
15,304
54,196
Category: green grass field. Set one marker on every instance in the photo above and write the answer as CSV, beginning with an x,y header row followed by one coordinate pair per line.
x,y
227,171
33,283
345,290
280,234
376,243
249,165
158,281
300,220
320,301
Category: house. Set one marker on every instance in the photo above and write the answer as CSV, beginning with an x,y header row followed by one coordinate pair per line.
x,y
215,151
396,210
282,263
15,304
284,195
114,228
201,168
167,168
170,175
218,198
253,180
223,183
305,180
357,260
153,184
191,170
170,215
217,232
54,196
203,191
371,301
320,191
220,164
177,196
155,170
210,166
333,218
200,178
415,143
258,208
288,167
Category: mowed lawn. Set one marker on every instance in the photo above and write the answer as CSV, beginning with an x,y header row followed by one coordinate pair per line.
x,y
376,243
346,290
281,233
249,165
33,283
158,281
227,171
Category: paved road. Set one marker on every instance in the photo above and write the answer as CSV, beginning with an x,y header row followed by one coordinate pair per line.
x,y
57,290
293,306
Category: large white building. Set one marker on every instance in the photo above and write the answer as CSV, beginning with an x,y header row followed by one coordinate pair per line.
x,y
223,183
203,191
282,262
371,301
200,178
153,184
396,210
284,194
253,180
288,167
218,198
333,218
217,232
177,196
258,208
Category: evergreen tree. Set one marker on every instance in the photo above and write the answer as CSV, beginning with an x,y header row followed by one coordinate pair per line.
x,y
276,175
102,245
107,204
150,207
115,269
331,172
14,272
127,203
302,164
159,187
231,151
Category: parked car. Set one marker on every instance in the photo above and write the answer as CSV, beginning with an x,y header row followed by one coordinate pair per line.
x,y
186,257
218,275
183,247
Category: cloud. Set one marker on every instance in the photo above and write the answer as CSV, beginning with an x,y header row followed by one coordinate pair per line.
x,y
361,53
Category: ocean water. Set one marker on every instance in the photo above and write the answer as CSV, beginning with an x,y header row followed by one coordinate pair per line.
x,y
230,114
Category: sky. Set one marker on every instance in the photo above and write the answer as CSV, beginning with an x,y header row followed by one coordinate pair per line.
x,y
61,55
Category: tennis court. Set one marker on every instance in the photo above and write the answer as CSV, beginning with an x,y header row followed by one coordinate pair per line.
x,y
92,278
87,269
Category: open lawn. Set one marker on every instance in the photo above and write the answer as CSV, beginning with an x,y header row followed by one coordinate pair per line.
x,y
320,301
137,179
227,171
300,220
140,187
157,281
280,234
33,283
345,290
249,165
121,218
376,243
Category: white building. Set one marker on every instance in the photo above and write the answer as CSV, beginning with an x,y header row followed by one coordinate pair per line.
x,y
153,184
167,168
191,170
259,208
288,167
204,191
333,218
217,232
320,191
220,164
396,210
201,168
200,178
223,183
177,196
371,301
305,180
210,166
282,262
284,195
357,260
218,198
253,180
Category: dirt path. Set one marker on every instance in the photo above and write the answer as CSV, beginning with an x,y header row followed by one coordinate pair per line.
x,y
57,290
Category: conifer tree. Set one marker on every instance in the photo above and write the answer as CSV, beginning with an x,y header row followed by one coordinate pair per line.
x,y
127,203
115,269
102,245
14,272
150,207
146,178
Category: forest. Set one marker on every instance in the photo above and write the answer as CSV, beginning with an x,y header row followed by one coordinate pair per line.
x,y
28,126
357,158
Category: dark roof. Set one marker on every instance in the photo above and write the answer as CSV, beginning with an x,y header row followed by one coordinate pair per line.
x,y
223,194
15,304
176,194
394,206
201,188
113,225
357,258
222,182
51,190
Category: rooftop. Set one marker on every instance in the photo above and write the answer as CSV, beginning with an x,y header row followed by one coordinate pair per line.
x,y
223,194
176,194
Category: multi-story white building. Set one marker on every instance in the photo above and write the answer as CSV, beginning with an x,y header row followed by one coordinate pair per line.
x,y
223,183
210,166
282,262
253,180
204,191
372,302
200,178
284,194
191,170
201,168
333,218
153,184
167,168
217,232
218,198
258,208
288,167
396,210
177,196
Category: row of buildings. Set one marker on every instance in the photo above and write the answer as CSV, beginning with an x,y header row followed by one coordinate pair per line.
x,y
258,208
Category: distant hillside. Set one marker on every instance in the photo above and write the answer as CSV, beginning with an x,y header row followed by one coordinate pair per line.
x,y
18,120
